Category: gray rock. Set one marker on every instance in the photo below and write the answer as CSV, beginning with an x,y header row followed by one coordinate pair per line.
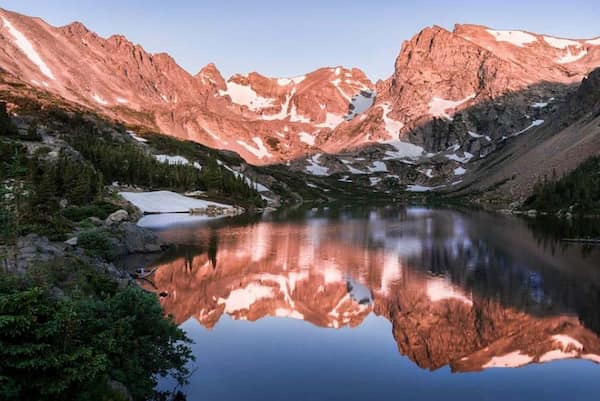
x,y
32,249
140,240
117,217
95,220
120,389
72,241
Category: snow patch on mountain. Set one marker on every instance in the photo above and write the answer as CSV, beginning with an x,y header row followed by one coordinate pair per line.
x,y
315,168
175,160
403,149
392,126
593,42
331,121
560,43
296,117
98,99
374,180
459,171
438,106
517,38
287,81
336,82
536,123
246,96
307,138
418,188
461,159
360,103
260,151
571,58
378,167
26,47
137,137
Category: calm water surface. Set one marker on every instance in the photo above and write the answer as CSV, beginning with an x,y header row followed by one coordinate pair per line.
x,y
384,304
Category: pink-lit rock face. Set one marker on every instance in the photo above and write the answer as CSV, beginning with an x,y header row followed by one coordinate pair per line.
x,y
333,274
270,120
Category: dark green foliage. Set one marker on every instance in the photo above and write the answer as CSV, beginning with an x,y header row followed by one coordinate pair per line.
x,y
99,209
32,133
97,243
12,190
127,163
580,189
7,127
67,348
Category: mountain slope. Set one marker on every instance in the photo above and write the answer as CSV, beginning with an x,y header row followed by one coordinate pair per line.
x,y
455,103
266,120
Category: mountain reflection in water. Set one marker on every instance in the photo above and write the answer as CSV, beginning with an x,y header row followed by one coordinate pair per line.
x,y
468,291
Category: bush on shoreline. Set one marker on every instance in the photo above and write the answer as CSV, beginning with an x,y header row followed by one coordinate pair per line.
x,y
68,344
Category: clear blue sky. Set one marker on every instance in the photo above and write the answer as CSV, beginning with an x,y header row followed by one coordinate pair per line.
x,y
286,38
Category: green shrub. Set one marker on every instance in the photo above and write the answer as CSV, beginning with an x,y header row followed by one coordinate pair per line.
x,y
68,348
100,210
96,243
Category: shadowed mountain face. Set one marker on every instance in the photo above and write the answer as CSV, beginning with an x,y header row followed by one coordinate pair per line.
x,y
470,292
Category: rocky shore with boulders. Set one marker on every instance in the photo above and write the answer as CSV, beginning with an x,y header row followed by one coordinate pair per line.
x,y
115,237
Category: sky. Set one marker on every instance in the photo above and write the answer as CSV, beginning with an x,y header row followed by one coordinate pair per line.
x,y
281,38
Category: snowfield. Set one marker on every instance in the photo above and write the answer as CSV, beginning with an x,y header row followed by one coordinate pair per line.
x,y
517,38
260,151
536,123
560,43
246,96
287,81
307,138
166,202
26,47
571,58
361,103
438,106
137,137
315,168
392,126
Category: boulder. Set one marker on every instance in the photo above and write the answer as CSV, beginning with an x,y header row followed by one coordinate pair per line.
x,y
120,389
117,217
137,239
95,220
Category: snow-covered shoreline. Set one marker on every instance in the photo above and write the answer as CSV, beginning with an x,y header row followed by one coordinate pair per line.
x,y
168,202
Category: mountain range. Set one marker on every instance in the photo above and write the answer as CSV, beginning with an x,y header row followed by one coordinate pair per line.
x,y
473,110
